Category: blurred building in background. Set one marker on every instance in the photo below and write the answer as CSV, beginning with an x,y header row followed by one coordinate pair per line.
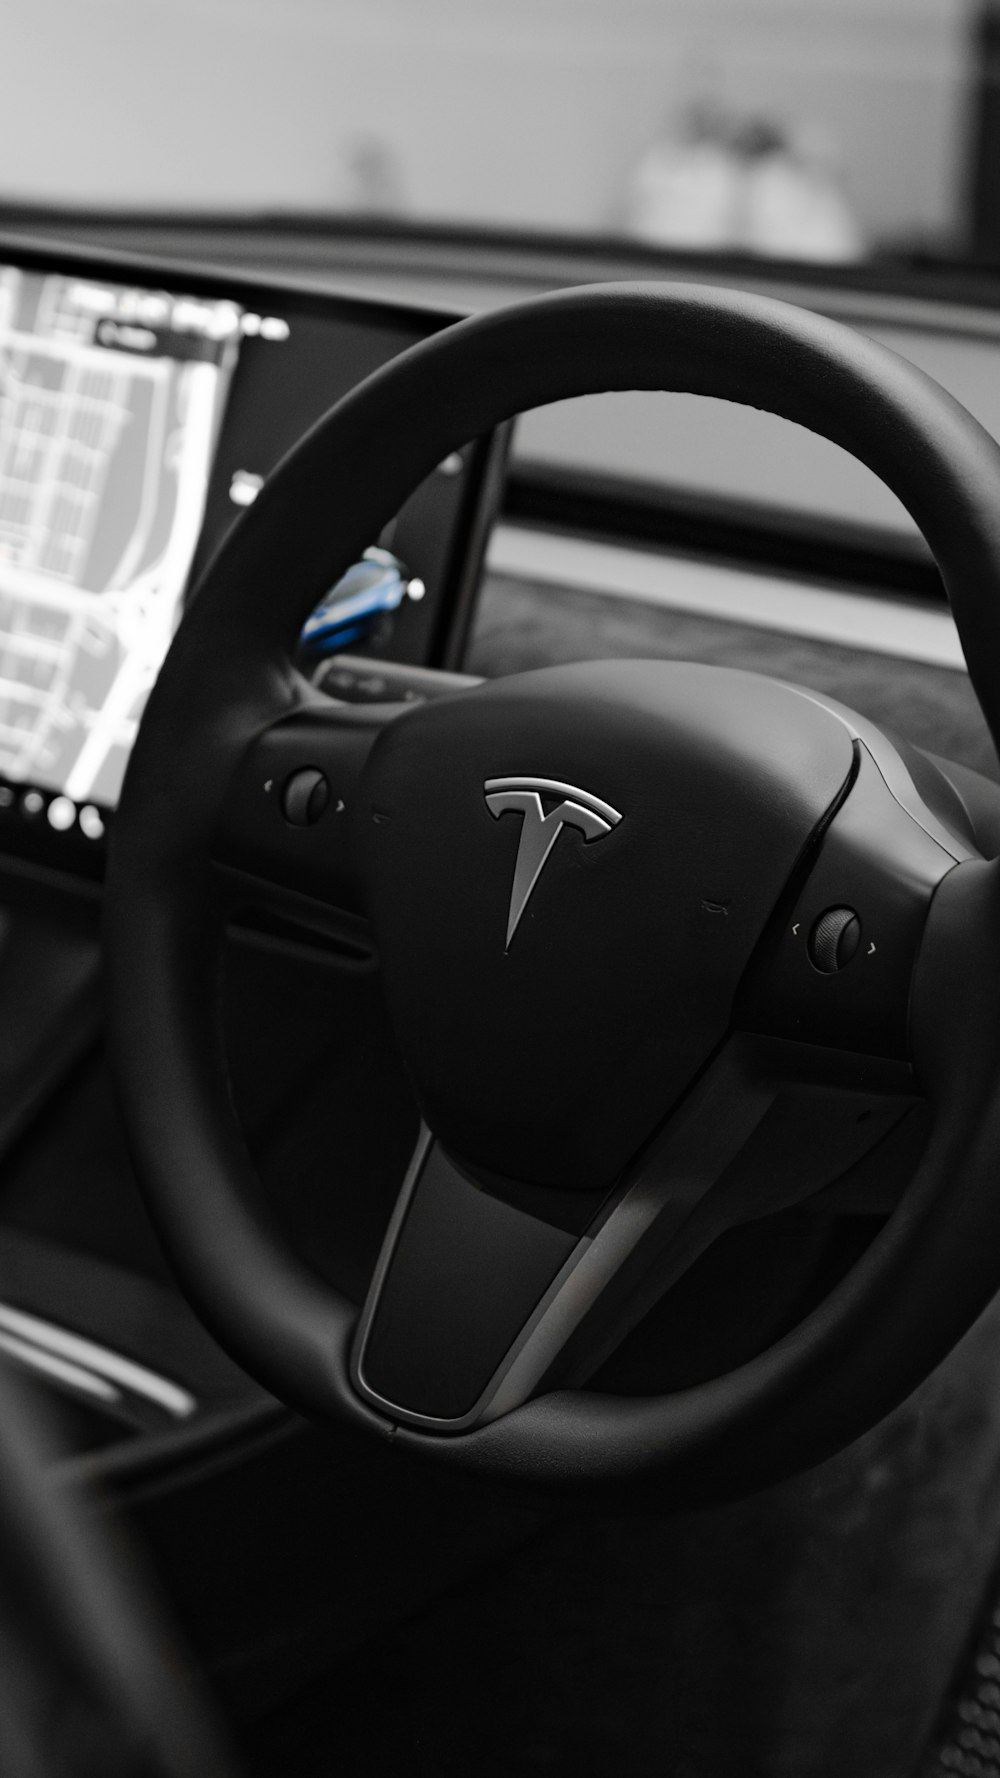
x,y
854,115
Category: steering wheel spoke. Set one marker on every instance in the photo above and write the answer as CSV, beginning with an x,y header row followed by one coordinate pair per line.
x,y
462,1275
486,1293
287,824
771,1126
836,965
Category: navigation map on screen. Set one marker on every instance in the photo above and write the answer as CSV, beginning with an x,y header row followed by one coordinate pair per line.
x,y
110,400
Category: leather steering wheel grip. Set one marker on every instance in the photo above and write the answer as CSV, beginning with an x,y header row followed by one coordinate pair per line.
x,y
229,674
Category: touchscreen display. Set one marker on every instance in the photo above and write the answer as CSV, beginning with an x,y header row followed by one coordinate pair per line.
x,y
110,403
138,421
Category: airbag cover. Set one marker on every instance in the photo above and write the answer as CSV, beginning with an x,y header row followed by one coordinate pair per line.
x,y
552,1057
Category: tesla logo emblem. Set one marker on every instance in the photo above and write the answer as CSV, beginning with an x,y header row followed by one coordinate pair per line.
x,y
539,832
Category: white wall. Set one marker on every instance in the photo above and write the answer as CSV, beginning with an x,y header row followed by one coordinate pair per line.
x,y
496,110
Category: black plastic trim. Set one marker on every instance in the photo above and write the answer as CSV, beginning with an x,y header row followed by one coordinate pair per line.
x,y
541,256
621,510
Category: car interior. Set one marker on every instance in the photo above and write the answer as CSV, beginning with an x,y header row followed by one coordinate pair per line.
x,y
499,1065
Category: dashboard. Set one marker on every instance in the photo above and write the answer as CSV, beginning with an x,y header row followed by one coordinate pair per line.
x,y
144,399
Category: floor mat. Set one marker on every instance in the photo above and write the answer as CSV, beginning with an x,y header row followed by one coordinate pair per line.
x,y
806,1633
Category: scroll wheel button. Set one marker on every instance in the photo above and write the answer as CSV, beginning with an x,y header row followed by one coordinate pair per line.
x,y
304,797
834,940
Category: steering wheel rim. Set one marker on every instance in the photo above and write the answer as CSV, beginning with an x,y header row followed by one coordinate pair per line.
x,y
229,676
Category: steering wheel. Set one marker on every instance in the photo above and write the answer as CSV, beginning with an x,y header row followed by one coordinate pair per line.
x,y
665,947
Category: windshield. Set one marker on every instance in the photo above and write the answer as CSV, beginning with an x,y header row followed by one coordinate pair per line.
x,y
826,131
